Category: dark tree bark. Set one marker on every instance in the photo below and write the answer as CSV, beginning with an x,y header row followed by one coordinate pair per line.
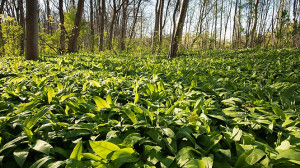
x,y
177,34
124,25
254,24
76,29
102,13
234,24
22,24
111,27
92,25
136,12
32,30
62,48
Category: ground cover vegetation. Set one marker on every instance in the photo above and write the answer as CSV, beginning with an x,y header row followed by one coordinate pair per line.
x,y
208,109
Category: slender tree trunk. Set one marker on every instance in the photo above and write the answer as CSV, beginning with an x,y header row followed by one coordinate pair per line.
x,y
254,24
216,21
92,25
111,28
62,27
226,24
102,22
160,27
49,30
234,25
156,26
135,19
1,38
22,24
221,23
177,34
123,26
32,30
76,29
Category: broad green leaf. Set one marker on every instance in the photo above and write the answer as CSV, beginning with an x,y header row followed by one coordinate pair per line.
x,y
236,134
195,163
94,83
77,151
50,93
124,155
279,112
136,97
56,164
101,103
39,163
186,154
20,156
103,148
12,143
42,146
130,115
30,122
91,156
249,158
28,133
291,154
131,139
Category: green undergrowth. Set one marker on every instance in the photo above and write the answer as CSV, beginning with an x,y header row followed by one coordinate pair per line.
x,y
202,109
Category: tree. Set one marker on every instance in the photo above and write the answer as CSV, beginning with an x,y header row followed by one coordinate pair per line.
x,y
22,24
254,24
32,30
62,27
76,29
157,34
177,33
124,25
92,25
102,13
1,38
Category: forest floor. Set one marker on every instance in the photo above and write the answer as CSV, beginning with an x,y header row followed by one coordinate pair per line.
x,y
210,108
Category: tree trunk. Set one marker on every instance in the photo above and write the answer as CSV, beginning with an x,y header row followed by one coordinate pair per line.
x,y
1,38
216,21
32,30
177,34
22,24
221,20
62,27
254,24
156,26
123,26
92,25
76,29
111,28
102,21
234,24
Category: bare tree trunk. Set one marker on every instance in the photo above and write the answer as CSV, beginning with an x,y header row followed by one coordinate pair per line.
x,y
160,27
254,24
102,22
156,26
32,30
22,24
135,19
92,25
62,27
234,24
1,38
111,28
177,34
123,26
76,29
226,24
216,21
221,20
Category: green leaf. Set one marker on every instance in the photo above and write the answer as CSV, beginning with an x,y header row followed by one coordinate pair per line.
x,y
131,115
279,112
186,154
249,158
124,155
103,148
136,97
101,103
56,164
30,122
20,156
42,146
77,151
50,93
290,154
131,139
39,163
195,163
91,156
